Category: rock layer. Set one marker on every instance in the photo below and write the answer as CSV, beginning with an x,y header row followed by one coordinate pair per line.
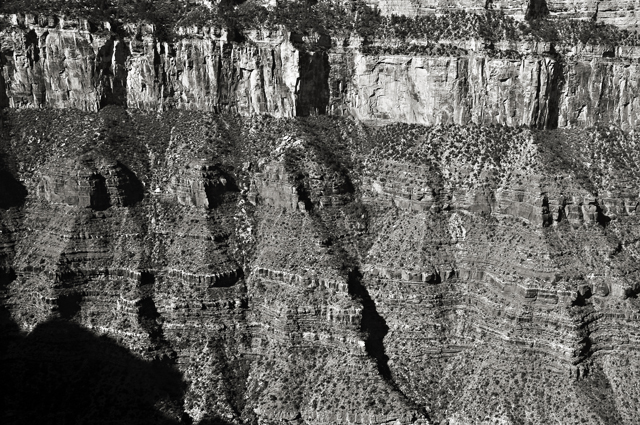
x,y
69,66
65,65
320,271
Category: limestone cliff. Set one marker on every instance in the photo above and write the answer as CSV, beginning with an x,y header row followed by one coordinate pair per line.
x,y
56,63
623,13
66,64
290,227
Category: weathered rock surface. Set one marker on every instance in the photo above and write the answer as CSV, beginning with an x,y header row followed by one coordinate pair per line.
x,y
517,8
468,266
67,66
622,13
63,64
319,271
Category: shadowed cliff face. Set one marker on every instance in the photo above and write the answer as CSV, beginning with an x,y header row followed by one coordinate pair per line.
x,y
12,192
61,372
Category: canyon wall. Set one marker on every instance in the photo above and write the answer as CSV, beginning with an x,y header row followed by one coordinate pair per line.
x,y
62,64
318,271
622,13
68,66
207,231
532,91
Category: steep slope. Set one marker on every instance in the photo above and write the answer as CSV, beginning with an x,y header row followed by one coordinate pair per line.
x,y
320,271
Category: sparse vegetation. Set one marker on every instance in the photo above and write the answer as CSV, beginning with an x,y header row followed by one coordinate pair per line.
x,y
333,18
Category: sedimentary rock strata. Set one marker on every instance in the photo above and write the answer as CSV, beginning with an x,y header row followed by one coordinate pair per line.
x,y
349,274
65,65
277,226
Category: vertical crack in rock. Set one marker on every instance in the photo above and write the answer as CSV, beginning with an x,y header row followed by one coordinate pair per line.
x,y
601,218
375,328
112,72
554,90
373,325
313,92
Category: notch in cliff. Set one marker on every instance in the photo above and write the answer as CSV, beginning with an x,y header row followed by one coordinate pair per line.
x,y
90,180
537,9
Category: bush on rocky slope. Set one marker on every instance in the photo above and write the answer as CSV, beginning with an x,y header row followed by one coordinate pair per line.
x,y
331,18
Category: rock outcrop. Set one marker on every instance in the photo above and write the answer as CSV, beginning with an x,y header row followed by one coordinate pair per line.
x,y
320,271
624,14
68,66
56,63
215,217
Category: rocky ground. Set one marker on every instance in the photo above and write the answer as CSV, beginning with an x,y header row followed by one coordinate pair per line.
x,y
263,270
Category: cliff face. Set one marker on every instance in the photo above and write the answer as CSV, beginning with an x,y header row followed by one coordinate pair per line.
x,y
622,13
539,92
67,66
63,64
319,271
207,231
516,8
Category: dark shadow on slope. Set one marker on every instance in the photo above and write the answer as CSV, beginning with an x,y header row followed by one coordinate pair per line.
x,y
131,186
12,192
149,319
373,325
598,393
9,334
4,100
68,304
536,9
100,199
62,373
214,421
217,191
601,218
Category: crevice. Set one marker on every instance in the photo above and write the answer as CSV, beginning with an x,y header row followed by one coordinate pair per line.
x,y
151,321
132,188
375,329
581,296
556,81
601,218
100,199
547,218
373,325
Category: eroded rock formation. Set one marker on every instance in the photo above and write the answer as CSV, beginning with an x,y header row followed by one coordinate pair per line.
x,y
182,213
319,271
65,65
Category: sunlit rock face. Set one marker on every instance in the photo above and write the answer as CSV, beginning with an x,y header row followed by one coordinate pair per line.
x,y
622,13
271,263
516,8
62,64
